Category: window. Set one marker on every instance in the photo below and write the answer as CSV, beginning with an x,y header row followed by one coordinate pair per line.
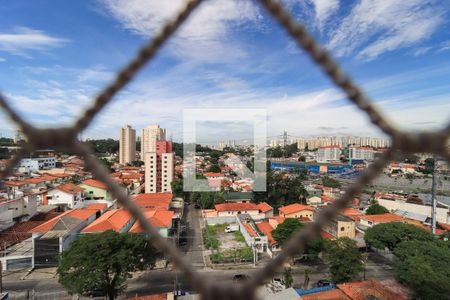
x,y
342,228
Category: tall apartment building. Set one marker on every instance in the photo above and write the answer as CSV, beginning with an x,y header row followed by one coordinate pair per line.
x,y
159,168
127,144
149,136
328,154
364,153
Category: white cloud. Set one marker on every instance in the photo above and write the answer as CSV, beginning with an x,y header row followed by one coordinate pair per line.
x,y
324,9
23,39
444,46
375,27
206,35
2,59
421,51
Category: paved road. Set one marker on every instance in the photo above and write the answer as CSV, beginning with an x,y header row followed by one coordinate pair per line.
x,y
195,244
153,282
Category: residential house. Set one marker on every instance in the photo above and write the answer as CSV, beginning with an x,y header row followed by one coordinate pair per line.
x,y
96,191
160,219
341,226
266,228
232,209
297,211
55,236
314,201
154,200
66,195
371,220
118,220
238,197
265,209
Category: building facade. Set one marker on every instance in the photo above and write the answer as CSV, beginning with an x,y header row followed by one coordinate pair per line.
x,y
328,154
149,136
159,168
127,145
364,153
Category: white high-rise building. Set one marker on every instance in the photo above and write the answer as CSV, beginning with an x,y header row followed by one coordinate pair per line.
x,y
127,144
149,136
364,153
328,154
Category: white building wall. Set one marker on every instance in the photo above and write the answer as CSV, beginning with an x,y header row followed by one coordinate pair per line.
x,y
58,197
150,172
167,170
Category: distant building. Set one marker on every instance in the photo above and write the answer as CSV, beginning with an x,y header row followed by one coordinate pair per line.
x,y
96,191
296,211
149,136
363,153
328,154
341,226
127,145
159,168
118,220
38,163
66,195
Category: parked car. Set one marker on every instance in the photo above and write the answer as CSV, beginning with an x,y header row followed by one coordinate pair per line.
x,y
94,293
232,228
240,277
324,282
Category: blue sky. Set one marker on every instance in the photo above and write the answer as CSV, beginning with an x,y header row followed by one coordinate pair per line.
x,y
56,55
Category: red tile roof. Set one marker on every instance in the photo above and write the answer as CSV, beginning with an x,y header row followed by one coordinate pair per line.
x,y
70,188
154,200
150,297
95,183
35,180
264,207
236,206
366,289
81,214
279,219
115,219
212,174
424,227
348,211
97,206
327,199
333,294
251,231
293,208
15,183
265,228
158,218
383,218
327,235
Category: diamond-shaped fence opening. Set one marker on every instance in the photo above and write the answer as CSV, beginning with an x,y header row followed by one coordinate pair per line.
x,y
64,139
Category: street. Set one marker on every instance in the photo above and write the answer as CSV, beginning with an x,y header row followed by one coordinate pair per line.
x,y
194,252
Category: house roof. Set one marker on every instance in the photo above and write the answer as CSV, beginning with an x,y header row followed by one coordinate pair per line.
x,y
95,183
293,208
348,211
251,231
264,207
333,294
15,183
115,219
150,297
35,180
97,206
68,219
383,218
327,199
158,218
236,206
327,235
154,200
70,188
213,174
266,228
279,219
425,227
369,289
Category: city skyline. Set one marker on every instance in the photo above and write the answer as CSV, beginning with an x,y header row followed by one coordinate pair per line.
x,y
249,64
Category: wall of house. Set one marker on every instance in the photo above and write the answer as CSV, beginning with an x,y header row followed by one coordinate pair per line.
x,y
299,214
235,213
59,197
345,229
95,193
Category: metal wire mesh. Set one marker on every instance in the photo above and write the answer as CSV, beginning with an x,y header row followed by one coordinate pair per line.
x,y
65,139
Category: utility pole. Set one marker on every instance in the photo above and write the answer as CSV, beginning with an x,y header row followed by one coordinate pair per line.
x,y
433,195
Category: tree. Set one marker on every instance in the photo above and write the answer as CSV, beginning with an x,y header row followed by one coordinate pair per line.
x,y
330,182
214,168
105,146
177,187
409,176
104,261
285,230
4,153
389,235
424,266
288,279
136,163
376,209
344,259
302,158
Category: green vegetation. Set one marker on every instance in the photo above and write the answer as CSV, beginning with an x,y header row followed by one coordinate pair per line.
x,y
136,163
177,187
4,153
424,266
6,141
288,279
285,230
214,168
105,146
104,261
238,237
210,239
330,182
233,255
409,176
376,209
206,200
389,235
344,259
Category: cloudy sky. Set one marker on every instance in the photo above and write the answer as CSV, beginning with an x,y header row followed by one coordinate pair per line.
x,y
56,55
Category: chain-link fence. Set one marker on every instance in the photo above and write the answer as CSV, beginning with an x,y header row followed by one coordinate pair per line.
x,y
65,139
